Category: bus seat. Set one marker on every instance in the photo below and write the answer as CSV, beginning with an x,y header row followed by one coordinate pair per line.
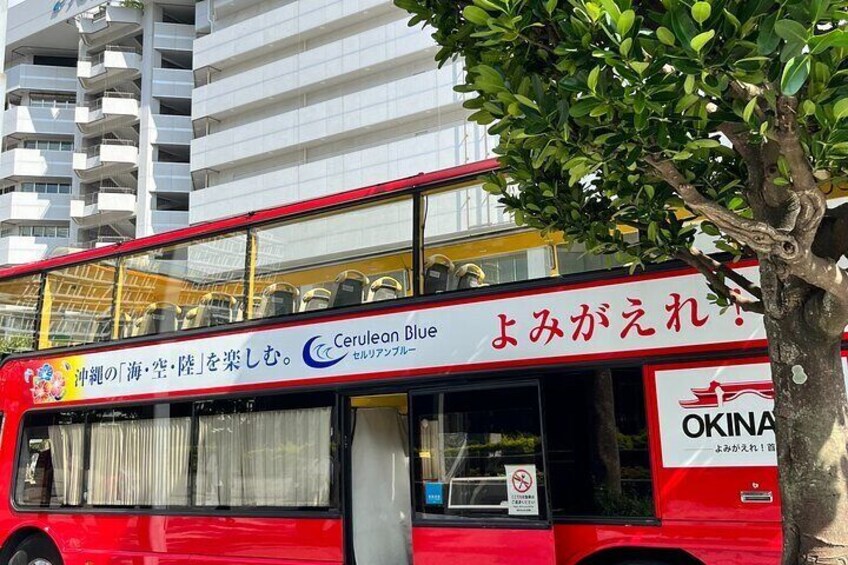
x,y
278,299
350,288
103,328
469,276
437,270
385,288
215,309
316,299
158,317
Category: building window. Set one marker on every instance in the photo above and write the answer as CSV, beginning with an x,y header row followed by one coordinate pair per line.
x,y
467,447
597,441
48,145
46,187
51,101
44,231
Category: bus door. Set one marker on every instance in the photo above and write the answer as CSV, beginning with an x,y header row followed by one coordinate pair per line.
x,y
479,489
379,527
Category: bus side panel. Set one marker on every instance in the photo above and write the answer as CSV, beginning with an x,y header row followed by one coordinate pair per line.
x,y
476,546
124,540
714,543
712,490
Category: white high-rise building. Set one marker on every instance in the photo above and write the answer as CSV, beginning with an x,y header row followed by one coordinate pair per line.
x,y
97,124
127,118
302,98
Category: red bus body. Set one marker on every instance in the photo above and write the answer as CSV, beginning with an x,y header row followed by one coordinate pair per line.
x,y
700,511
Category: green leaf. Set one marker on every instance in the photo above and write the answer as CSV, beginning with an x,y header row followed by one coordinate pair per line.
x,y
685,103
665,36
701,39
527,102
592,81
749,109
550,6
837,38
791,31
795,74
625,22
701,11
840,109
476,15
767,39
689,84
639,66
625,46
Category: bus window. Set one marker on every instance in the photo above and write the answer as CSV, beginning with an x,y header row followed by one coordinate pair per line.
x,y
192,285
265,452
597,441
18,304
338,259
467,447
51,461
121,470
79,304
470,241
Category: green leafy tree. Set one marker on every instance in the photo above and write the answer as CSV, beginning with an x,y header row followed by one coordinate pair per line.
x,y
673,117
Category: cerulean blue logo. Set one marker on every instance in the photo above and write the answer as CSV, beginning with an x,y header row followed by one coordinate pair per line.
x,y
319,355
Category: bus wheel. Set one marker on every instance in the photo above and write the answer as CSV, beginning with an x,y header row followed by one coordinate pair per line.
x,y
36,550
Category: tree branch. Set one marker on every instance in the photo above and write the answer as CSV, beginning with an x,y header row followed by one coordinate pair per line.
x,y
811,202
759,236
715,278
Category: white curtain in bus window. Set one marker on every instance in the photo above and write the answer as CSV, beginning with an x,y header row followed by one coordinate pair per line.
x,y
66,451
273,458
140,462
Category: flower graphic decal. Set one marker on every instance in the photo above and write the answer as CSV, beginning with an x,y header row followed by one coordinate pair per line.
x,y
47,385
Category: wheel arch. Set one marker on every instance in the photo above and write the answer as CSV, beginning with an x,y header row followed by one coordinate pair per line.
x,y
19,535
624,554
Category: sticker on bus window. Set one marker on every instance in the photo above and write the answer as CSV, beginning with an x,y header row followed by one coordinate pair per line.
x,y
521,490
434,494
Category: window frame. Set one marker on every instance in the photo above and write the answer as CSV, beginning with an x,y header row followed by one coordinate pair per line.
x,y
87,413
544,521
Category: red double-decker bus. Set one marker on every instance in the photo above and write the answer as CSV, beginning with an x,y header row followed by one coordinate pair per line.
x,y
392,375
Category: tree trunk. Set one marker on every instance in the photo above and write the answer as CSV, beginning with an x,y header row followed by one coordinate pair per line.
x,y
606,432
811,425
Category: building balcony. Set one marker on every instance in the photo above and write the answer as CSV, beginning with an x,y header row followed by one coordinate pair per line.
x,y
171,177
18,249
108,205
112,111
112,157
171,130
103,241
41,78
109,22
32,206
384,106
19,164
173,37
280,27
173,83
384,47
114,65
38,120
167,220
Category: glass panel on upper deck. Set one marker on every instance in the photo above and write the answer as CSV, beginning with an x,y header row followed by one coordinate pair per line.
x,y
18,313
338,259
78,305
191,285
470,241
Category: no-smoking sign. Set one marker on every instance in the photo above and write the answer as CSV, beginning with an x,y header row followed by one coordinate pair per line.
x,y
522,496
